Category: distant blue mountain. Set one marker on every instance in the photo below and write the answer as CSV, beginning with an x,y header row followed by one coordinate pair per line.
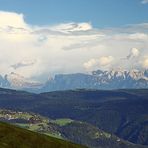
x,y
114,79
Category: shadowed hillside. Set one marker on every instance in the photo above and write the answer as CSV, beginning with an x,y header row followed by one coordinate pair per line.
x,y
120,112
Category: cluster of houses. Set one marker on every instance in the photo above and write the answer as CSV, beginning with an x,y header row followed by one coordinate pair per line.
x,y
13,115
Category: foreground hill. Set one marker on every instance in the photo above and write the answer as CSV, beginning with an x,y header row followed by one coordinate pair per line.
x,y
14,137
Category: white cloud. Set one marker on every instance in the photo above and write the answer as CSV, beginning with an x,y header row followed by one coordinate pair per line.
x,y
138,36
100,62
145,63
144,2
9,19
88,65
72,27
103,61
23,64
65,48
133,53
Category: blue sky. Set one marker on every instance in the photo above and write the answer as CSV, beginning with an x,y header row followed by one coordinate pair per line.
x,y
101,13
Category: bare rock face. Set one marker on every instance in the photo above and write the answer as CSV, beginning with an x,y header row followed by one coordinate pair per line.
x,y
16,81
113,79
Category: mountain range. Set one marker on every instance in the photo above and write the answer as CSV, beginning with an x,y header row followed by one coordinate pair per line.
x,y
16,81
111,79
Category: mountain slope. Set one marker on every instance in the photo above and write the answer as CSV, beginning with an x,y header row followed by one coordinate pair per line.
x,y
75,131
86,134
14,137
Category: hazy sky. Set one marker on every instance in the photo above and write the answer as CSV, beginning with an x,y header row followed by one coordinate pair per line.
x,y
42,38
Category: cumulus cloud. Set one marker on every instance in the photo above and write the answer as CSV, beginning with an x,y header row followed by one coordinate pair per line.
x,y
144,2
12,19
145,63
133,53
90,63
66,47
102,61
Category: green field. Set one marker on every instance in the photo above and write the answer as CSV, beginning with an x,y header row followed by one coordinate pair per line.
x,y
62,122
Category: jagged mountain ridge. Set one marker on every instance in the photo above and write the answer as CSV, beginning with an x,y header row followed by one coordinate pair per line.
x,y
111,79
16,81
114,79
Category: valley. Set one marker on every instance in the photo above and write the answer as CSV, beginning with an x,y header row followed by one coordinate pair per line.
x,y
89,117
66,129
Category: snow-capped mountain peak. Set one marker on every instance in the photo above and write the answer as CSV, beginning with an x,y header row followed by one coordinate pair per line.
x,y
19,82
99,79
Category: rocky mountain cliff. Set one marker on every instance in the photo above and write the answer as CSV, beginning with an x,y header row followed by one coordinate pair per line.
x,y
114,79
